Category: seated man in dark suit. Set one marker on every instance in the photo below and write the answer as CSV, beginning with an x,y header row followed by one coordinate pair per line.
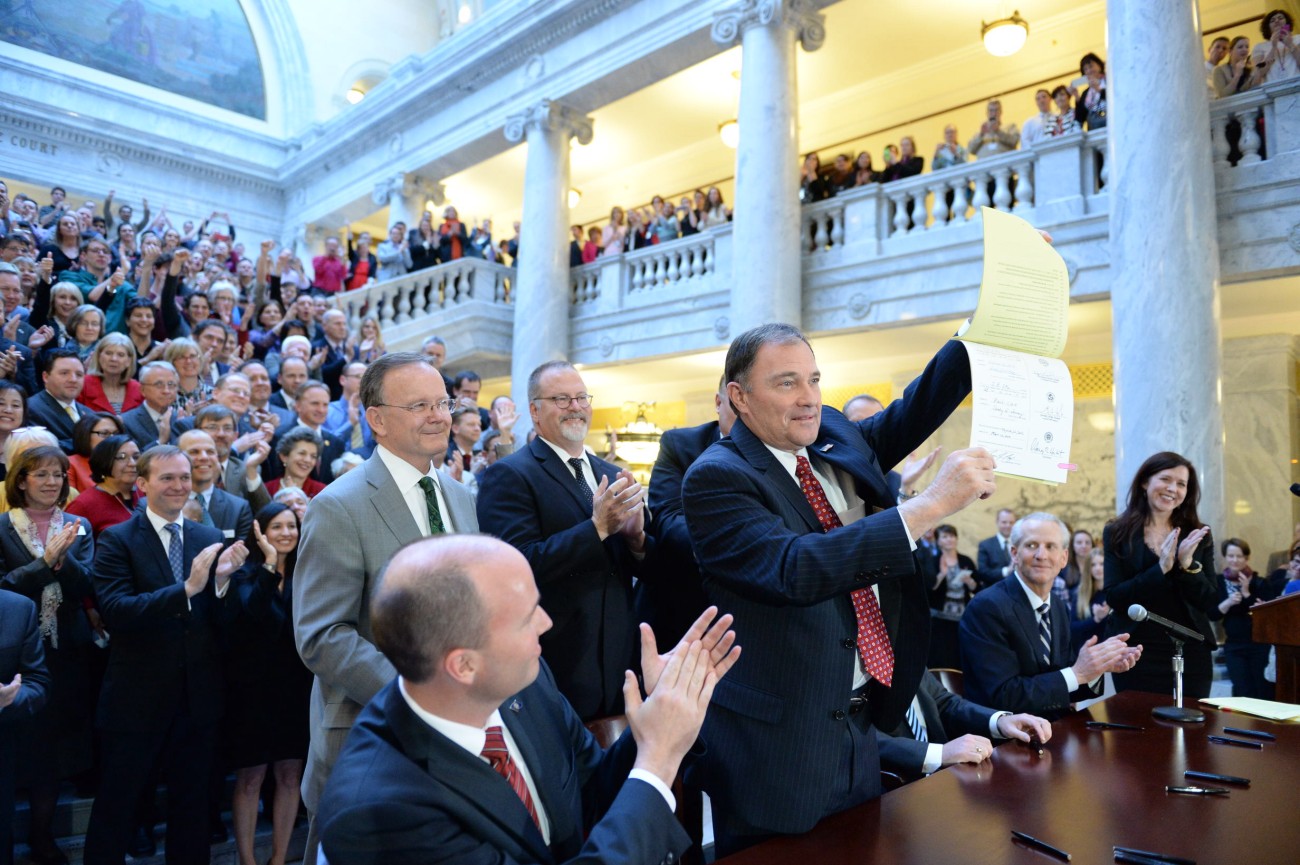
x,y
1015,635
150,423
227,513
993,562
580,521
675,597
941,729
161,581
472,755
23,691
56,408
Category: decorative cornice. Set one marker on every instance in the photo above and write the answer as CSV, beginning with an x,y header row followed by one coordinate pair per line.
x,y
551,116
801,16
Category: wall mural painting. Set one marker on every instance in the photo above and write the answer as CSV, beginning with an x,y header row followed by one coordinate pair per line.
x,y
202,49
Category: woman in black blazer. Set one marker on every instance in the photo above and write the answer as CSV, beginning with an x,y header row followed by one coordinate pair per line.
x,y
1160,556
951,584
267,685
46,554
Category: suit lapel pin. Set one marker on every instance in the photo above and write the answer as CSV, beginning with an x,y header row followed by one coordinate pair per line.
x,y
515,706
827,446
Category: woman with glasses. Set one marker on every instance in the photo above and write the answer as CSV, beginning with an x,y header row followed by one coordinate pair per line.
x,y
92,429
46,554
86,326
299,449
113,498
184,354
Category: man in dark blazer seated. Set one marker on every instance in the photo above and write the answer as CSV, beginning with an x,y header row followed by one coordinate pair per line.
x,y
1015,635
164,603
56,408
23,691
583,534
799,563
942,728
472,756
150,423
674,597
993,561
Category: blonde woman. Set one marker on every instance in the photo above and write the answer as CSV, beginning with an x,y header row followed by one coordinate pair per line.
x,y
185,355
110,384
370,340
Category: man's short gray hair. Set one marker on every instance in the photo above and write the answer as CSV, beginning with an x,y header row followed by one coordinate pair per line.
x,y
535,377
433,340
1018,530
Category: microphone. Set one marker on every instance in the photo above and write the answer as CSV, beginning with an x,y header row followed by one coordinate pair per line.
x,y
1138,613
1295,489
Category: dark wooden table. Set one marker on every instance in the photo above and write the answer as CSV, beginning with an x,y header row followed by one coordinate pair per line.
x,y
1089,791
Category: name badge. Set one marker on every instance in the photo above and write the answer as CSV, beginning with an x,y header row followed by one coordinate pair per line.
x,y
81,528
227,533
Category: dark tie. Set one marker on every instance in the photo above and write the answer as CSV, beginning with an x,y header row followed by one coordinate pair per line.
x,y
436,526
576,462
175,553
914,721
206,518
494,749
221,478
1045,634
873,639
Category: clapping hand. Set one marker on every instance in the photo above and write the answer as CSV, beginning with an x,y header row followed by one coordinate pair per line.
x,y
1187,549
57,545
717,639
269,553
9,693
40,337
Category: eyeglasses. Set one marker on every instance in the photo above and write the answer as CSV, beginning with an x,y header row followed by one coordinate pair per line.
x,y
103,433
126,458
423,406
563,401
46,476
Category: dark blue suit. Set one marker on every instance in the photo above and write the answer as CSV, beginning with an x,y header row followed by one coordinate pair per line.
x,y
674,598
947,717
403,793
162,693
1002,653
531,501
44,410
989,562
21,652
782,746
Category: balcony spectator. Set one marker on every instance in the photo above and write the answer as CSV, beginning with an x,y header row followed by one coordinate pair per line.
x,y
452,237
124,213
1278,57
330,269
86,327
994,137
394,254
575,245
480,242
1065,119
863,173
664,225
592,248
613,238
842,175
1237,75
370,340
362,264
908,163
1218,51
64,246
949,152
1040,126
716,211
93,428
638,230
423,243
45,555
686,217
110,384
1090,105
813,187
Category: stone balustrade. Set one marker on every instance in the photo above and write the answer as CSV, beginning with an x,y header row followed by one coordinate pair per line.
x,y
877,255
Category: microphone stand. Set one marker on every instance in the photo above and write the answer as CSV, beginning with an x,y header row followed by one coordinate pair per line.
x,y
1176,712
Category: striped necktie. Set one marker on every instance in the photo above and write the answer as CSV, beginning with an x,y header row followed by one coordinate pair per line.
x,y
914,721
494,749
1045,633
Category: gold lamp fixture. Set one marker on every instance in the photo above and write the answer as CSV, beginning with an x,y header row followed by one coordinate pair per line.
x,y
1006,36
637,443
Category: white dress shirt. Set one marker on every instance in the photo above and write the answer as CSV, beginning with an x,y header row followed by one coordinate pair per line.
x,y
587,472
160,529
933,761
407,477
1034,601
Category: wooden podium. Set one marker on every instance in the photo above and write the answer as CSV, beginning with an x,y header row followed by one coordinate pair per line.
x,y
1278,622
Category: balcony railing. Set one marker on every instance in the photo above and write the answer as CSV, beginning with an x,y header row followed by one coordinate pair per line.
x,y
424,293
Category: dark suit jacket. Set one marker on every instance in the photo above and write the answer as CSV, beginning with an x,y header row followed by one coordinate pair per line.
x,y
765,558
44,410
21,651
989,562
1133,576
141,428
29,575
235,485
674,598
1002,654
230,515
403,793
947,717
335,361
165,651
531,501
25,374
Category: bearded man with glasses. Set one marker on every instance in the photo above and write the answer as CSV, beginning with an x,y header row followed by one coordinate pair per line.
x,y
351,530
581,523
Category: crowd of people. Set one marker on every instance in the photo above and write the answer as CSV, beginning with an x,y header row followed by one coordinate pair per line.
x,y
639,227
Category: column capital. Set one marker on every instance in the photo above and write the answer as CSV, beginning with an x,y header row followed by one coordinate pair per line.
x,y
801,16
549,115
406,185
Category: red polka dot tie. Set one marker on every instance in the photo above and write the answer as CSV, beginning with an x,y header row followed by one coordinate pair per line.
x,y
873,639
494,749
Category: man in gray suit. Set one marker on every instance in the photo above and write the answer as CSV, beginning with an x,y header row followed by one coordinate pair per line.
x,y
352,529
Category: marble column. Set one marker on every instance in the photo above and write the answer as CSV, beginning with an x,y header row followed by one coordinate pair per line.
x,y
767,268
404,195
1164,248
542,293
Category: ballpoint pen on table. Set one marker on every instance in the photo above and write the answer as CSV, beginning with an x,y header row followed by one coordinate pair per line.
x,y
1041,845
1214,776
1257,734
1198,791
1240,743
1159,857
1109,725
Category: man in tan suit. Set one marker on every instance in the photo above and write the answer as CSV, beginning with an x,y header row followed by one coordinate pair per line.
x,y
351,531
